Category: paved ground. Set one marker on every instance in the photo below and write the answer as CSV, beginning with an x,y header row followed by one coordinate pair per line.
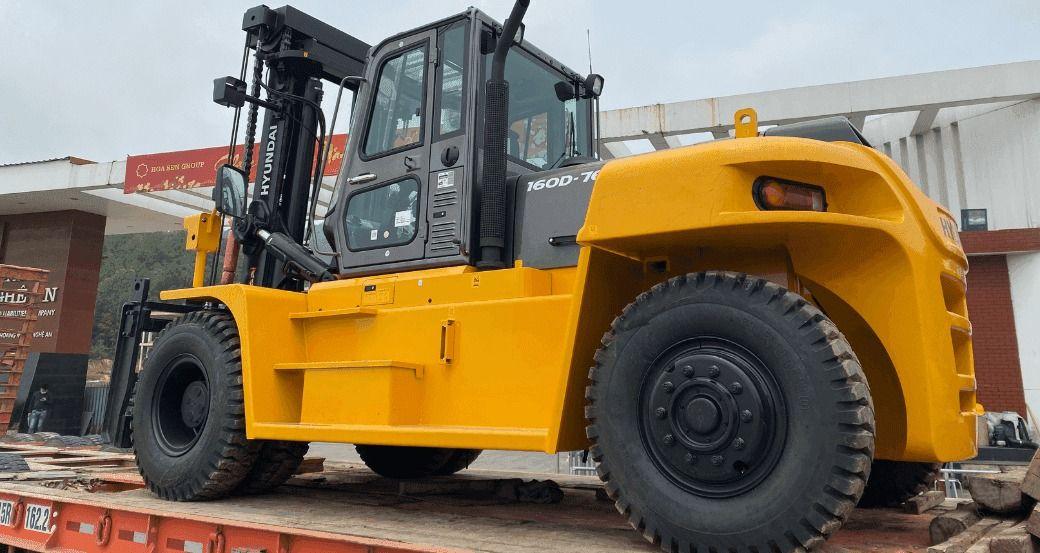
x,y
518,461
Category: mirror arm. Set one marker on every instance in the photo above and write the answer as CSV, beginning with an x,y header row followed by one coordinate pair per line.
x,y
262,103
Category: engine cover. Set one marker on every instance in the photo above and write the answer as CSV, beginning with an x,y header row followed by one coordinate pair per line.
x,y
550,208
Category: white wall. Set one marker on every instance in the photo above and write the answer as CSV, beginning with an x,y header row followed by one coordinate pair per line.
x,y
1024,270
983,156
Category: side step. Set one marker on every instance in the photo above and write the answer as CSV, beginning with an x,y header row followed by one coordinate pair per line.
x,y
351,313
352,365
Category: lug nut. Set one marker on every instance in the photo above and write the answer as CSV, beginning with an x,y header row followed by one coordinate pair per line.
x,y
687,370
660,412
736,388
746,416
713,371
669,439
738,444
716,460
691,459
668,386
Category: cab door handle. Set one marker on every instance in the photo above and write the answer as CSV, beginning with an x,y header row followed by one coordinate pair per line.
x,y
362,178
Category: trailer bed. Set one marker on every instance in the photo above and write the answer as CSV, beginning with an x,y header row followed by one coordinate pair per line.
x,y
94,507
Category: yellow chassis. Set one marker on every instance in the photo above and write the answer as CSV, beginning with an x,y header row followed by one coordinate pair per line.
x,y
453,357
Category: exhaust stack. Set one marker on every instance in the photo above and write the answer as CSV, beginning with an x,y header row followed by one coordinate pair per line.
x,y
496,120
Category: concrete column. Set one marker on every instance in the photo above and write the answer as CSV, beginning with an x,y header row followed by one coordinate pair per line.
x,y
68,244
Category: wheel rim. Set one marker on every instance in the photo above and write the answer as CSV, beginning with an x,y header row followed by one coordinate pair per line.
x,y
180,406
713,418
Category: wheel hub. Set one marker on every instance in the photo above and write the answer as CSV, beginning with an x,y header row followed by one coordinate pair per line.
x,y
713,417
180,405
195,404
702,415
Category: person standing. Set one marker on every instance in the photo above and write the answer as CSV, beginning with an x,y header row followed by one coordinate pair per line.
x,y
39,403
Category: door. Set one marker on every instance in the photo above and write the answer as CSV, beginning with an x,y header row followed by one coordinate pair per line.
x,y
385,205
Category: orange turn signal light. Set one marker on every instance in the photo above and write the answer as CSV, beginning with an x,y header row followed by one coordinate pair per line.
x,y
779,194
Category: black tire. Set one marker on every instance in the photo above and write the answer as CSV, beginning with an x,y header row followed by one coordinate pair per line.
x,y
188,423
12,462
276,462
460,459
404,462
728,414
893,482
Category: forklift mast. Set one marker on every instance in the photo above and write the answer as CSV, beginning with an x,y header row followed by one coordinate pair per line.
x,y
299,52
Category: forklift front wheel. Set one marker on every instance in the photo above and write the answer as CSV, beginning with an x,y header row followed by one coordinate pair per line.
x,y
189,415
727,413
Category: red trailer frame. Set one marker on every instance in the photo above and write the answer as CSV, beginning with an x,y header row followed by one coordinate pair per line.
x,y
36,521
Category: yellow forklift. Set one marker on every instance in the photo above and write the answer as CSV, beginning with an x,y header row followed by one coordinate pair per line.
x,y
747,335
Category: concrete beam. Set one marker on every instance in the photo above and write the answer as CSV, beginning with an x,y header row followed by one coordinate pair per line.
x,y
959,87
615,149
925,120
659,142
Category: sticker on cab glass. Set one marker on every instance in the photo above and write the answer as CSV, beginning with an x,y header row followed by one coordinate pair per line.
x,y
403,218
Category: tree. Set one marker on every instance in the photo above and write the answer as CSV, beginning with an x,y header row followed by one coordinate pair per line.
x,y
159,256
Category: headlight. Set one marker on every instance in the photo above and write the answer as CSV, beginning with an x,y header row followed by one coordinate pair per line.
x,y
778,194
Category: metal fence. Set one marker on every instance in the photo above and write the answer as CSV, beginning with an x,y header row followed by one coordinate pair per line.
x,y
580,463
95,396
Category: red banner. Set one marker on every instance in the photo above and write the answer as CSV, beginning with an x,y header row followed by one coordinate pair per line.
x,y
197,168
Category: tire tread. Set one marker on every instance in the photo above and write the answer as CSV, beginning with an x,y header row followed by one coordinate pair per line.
x,y
839,495
229,464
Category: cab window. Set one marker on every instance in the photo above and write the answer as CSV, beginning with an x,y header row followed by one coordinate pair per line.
x,y
383,216
397,113
543,130
451,78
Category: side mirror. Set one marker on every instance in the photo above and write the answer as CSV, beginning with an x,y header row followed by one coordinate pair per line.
x,y
566,90
229,193
593,86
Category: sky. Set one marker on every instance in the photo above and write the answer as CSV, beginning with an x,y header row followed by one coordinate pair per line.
x,y
103,79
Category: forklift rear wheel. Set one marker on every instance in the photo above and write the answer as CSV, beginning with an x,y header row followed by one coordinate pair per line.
x,y
893,482
727,413
188,411
415,462
276,462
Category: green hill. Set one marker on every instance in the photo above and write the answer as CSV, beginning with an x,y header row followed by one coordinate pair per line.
x,y
159,256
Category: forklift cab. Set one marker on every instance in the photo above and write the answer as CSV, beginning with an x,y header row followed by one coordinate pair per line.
x,y
407,195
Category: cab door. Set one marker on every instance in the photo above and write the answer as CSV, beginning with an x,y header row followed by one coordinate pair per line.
x,y
385,199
